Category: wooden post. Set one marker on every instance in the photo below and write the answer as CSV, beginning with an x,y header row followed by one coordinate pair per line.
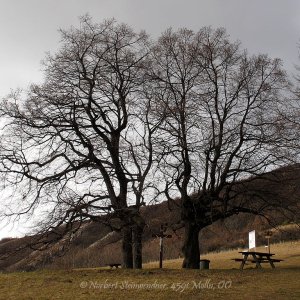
x,y
160,251
268,236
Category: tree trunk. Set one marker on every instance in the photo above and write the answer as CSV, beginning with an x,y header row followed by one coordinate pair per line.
x,y
137,240
127,247
137,246
190,247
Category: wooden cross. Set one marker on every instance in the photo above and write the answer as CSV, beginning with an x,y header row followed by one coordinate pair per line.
x,y
162,235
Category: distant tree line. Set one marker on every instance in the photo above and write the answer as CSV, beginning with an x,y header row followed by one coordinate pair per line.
x,y
121,120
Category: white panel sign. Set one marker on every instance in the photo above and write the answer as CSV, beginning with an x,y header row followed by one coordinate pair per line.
x,y
252,239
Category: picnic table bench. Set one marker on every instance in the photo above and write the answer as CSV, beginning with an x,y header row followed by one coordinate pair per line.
x,y
116,265
257,258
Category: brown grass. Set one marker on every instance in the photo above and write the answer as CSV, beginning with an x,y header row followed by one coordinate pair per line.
x,y
288,251
220,282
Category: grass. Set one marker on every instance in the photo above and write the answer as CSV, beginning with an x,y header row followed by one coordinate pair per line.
x,y
222,281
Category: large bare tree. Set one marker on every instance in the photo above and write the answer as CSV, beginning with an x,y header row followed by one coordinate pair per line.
x,y
79,146
220,108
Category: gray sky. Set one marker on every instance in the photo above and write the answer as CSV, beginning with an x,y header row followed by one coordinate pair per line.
x,y
29,28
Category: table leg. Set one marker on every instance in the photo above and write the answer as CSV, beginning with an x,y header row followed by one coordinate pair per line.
x,y
271,263
258,265
243,262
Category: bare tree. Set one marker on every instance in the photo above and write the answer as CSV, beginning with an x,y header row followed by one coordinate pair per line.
x,y
288,122
82,145
220,110
78,146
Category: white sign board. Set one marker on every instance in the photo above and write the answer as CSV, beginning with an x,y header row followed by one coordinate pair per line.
x,y
252,239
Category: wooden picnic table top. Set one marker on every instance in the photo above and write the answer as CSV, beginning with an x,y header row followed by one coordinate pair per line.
x,y
257,253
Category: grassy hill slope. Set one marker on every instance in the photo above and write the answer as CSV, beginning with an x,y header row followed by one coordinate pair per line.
x,y
220,282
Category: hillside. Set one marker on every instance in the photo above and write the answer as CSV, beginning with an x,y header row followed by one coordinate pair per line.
x,y
96,245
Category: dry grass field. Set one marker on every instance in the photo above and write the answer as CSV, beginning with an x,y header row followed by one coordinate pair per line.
x,y
223,281
288,251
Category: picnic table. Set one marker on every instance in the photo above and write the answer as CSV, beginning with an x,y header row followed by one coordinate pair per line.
x,y
257,258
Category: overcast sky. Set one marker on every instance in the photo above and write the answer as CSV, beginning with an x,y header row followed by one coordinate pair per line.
x,y
29,29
